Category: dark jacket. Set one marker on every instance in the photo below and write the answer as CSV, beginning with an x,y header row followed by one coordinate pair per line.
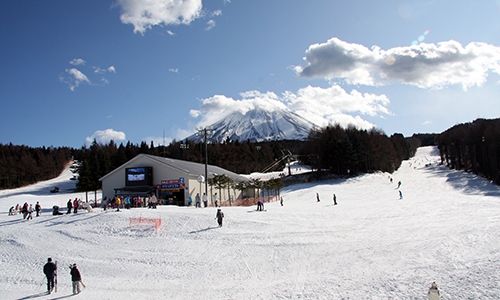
x,y
49,269
75,274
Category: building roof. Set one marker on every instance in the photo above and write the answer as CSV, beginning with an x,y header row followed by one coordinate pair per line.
x,y
188,167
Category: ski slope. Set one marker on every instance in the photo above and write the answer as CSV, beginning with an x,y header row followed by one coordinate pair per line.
x,y
372,245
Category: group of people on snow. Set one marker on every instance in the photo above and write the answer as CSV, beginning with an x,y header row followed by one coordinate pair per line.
x,y
26,210
318,200
50,271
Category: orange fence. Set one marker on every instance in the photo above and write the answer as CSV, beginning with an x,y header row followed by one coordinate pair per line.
x,y
150,221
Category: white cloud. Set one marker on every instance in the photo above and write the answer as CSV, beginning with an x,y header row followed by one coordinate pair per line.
x,y
217,13
170,32
423,65
144,14
210,25
174,70
76,77
77,62
334,105
318,105
104,136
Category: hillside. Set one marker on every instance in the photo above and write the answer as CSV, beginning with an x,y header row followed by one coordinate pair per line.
x,y
372,245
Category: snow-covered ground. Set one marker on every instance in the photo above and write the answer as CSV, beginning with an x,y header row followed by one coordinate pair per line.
x,y
372,245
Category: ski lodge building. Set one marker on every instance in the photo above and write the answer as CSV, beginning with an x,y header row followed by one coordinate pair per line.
x,y
172,181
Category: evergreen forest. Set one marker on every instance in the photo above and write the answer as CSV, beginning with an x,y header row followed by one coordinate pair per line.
x,y
330,150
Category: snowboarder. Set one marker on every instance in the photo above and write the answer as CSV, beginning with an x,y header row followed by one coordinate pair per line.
x,y
260,206
69,205
400,195
197,199
49,269
399,184
38,208
190,201
317,197
12,211
219,216
433,292
281,201
205,200
334,199
75,278
55,210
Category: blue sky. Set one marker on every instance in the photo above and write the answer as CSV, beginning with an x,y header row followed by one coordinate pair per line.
x,y
72,71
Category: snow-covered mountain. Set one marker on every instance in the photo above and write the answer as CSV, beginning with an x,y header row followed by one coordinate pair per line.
x,y
259,125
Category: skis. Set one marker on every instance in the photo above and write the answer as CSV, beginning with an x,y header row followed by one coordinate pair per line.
x,y
55,279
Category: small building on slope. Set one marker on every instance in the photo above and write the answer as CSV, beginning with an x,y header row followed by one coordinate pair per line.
x,y
172,181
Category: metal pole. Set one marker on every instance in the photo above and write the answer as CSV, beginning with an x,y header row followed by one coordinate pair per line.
x,y
206,163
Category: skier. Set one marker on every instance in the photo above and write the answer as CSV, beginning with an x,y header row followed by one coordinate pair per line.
x,y
118,202
317,196
281,201
24,210
69,205
219,216
12,211
76,205
38,208
197,199
205,200
334,199
433,292
30,212
152,202
75,278
215,199
399,184
400,195
127,202
104,203
190,201
49,269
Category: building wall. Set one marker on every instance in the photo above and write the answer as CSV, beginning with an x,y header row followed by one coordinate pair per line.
x,y
164,172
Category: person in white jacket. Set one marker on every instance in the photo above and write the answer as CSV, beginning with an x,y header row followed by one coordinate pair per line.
x,y
204,198
215,200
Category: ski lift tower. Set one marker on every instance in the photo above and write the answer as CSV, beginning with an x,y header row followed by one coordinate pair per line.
x,y
205,132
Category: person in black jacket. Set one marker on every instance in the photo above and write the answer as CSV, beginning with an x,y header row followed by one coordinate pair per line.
x,y
49,269
75,278
219,216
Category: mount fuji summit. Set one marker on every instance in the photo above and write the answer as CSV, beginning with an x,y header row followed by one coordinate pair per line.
x,y
258,125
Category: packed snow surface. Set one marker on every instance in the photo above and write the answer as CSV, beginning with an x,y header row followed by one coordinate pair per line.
x,y
372,245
